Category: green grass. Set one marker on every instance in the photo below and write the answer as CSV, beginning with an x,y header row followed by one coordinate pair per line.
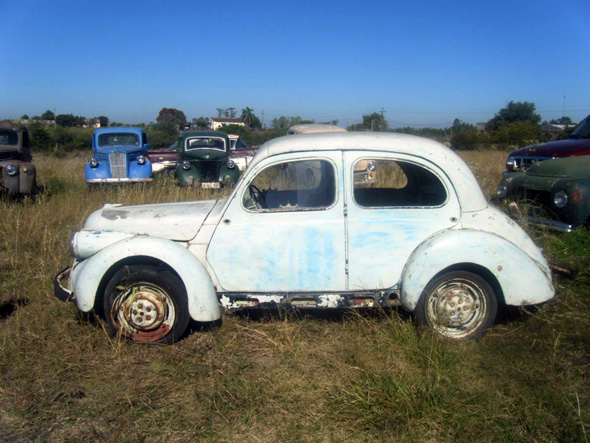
x,y
281,377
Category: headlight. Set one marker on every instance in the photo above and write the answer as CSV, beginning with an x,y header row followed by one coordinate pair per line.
x,y
186,165
93,162
511,164
560,199
11,169
502,189
141,160
230,164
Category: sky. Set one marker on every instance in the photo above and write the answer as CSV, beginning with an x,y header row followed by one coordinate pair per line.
x,y
424,63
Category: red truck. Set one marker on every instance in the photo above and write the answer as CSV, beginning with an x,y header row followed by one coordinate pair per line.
x,y
577,144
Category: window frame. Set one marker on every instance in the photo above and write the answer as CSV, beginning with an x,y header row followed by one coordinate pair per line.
x,y
398,160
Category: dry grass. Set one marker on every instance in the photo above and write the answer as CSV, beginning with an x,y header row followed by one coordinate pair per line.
x,y
275,378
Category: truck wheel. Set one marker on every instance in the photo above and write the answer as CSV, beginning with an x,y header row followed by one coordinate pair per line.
x,y
146,304
457,305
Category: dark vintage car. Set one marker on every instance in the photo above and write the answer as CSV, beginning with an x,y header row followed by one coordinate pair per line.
x,y
576,145
164,161
18,175
554,193
119,155
203,159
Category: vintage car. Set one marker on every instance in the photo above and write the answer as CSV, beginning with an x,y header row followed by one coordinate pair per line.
x,y
553,193
203,159
164,162
239,152
18,175
119,155
314,128
422,236
576,145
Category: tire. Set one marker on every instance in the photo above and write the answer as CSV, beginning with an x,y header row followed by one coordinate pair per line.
x,y
146,304
457,305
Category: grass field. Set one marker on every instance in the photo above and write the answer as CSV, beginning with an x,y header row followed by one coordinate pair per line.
x,y
343,377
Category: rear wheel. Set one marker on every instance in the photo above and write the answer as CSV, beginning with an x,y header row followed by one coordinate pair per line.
x,y
146,304
457,305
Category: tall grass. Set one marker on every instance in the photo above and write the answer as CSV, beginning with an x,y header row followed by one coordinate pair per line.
x,y
278,377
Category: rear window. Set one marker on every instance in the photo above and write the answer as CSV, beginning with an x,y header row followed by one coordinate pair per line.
x,y
118,138
386,183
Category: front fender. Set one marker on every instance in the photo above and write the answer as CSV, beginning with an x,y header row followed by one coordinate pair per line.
x,y
87,275
523,280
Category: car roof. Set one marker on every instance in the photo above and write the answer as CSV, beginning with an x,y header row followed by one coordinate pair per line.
x,y
470,195
119,129
313,128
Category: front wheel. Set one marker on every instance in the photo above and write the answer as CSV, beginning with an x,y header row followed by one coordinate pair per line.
x,y
146,304
457,305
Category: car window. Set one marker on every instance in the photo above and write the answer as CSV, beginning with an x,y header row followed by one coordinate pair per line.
x,y
386,183
8,137
205,143
118,138
292,186
241,144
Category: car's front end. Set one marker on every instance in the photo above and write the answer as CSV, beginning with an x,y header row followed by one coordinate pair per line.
x,y
204,160
18,175
554,194
118,156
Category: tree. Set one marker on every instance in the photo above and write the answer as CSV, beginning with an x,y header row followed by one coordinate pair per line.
x,y
201,122
561,121
162,135
515,112
64,120
247,114
80,121
171,115
230,112
374,122
220,112
48,115
24,117
460,126
104,121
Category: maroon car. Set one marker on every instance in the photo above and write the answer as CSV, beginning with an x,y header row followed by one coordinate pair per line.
x,y
577,144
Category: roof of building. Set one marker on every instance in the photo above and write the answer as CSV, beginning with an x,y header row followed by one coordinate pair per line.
x,y
226,120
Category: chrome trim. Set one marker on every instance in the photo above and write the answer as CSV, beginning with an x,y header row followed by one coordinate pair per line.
x,y
551,224
118,162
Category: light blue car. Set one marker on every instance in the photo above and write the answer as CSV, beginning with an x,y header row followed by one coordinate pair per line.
x,y
119,155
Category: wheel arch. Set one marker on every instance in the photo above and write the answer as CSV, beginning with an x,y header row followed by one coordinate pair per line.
x,y
507,268
90,277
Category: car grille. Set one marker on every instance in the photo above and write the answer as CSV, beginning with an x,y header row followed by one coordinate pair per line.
x,y
526,161
118,164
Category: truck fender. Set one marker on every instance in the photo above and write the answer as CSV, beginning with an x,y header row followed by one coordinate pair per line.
x,y
86,276
523,281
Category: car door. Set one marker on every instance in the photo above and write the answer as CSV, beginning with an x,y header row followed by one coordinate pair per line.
x,y
283,230
394,203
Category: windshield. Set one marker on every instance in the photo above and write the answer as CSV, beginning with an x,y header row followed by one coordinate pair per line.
x,y
583,130
118,138
205,143
8,137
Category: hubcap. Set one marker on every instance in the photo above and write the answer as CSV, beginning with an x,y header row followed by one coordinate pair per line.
x,y
456,308
144,312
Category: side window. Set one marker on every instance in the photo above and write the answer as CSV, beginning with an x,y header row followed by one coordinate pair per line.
x,y
144,139
388,183
292,186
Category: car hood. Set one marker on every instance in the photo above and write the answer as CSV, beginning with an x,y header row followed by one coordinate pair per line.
x,y
574,167
561,148
173,221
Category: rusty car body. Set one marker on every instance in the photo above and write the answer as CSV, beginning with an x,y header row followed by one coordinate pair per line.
x,y
18,175
421,236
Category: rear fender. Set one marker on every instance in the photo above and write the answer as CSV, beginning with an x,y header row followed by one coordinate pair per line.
x,y
523,281
87,276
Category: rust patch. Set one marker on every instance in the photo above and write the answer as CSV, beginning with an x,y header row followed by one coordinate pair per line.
x,y
577,197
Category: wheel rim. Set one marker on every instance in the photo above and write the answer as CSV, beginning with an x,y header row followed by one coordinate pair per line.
x,y
143,312
457,308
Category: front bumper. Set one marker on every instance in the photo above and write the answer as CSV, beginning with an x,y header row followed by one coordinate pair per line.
x,y
59,290
118,180
551,224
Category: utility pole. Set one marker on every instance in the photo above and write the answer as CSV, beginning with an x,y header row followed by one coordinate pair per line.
x,y
262,119
382,119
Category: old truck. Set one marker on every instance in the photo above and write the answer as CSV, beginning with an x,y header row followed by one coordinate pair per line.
x,y
18,175
421,236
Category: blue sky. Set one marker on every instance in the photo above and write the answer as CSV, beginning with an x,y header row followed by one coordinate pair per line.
x,y
424,62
